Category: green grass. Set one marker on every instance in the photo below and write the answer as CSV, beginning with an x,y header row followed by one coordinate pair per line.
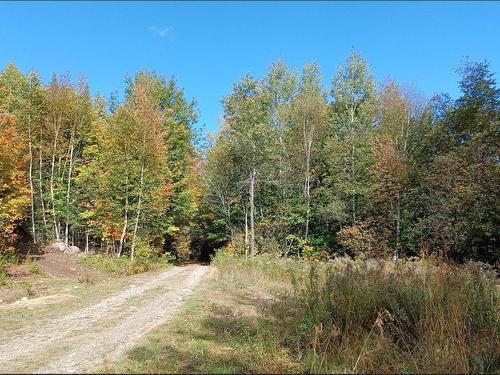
x,y
29,289
123,265
4,260
3,278
33,266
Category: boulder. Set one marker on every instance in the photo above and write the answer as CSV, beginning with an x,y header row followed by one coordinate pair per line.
x,y
486,267
72,250
58,246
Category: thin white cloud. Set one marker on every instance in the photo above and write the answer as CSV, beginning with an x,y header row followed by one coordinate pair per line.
x,y
162,32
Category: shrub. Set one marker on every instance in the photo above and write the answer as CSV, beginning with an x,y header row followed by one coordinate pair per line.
x,y
360,239
29,289
236,245
182,246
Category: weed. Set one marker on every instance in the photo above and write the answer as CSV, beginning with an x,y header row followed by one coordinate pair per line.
x,y
344,315
3,278
4,260
29,289
32,266
85,280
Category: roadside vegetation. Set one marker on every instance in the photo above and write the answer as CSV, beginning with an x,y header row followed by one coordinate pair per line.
x,y
125,265
271,315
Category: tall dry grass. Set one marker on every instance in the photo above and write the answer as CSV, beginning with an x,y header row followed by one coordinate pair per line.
x,y
376,316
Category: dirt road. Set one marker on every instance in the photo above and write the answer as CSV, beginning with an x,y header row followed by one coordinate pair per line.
x,y
89,337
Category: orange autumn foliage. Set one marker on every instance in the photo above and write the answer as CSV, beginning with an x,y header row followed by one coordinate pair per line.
x,y
14,194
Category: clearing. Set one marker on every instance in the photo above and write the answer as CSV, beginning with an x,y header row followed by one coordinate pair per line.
x,y
79,326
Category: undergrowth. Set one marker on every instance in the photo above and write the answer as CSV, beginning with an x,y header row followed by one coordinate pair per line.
x,y
4,260
124,265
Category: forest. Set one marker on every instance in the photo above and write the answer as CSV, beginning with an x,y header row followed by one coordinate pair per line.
x,y
351,225
356,167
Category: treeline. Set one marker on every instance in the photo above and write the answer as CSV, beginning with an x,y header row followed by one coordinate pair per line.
x,y
109,176
296,168
355,167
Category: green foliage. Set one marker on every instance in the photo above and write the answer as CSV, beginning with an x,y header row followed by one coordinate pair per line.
x,y
365,172
85,280
6,259
296,168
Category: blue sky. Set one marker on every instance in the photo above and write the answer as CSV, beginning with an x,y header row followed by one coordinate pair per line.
x,y
210,45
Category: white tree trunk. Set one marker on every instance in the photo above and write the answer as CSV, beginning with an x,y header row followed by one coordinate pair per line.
x,y
70,170
52,195
246,233
87,241
353,166
252,212
42,203
136,225
33,229
125,220
308,130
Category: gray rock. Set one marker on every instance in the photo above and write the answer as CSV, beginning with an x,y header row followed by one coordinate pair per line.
x,y
485,266
24,299
72,250
59,246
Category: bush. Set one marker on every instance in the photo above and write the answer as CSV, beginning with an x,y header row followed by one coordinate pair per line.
x,y
237,268
364,239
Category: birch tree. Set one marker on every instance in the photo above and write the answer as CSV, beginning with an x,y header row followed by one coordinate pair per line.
x,y
308,121
250,136
353,113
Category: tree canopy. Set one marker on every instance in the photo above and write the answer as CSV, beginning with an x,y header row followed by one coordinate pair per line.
x,y
358,167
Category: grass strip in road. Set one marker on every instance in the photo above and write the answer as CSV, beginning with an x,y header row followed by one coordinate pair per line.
x,y
222,328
